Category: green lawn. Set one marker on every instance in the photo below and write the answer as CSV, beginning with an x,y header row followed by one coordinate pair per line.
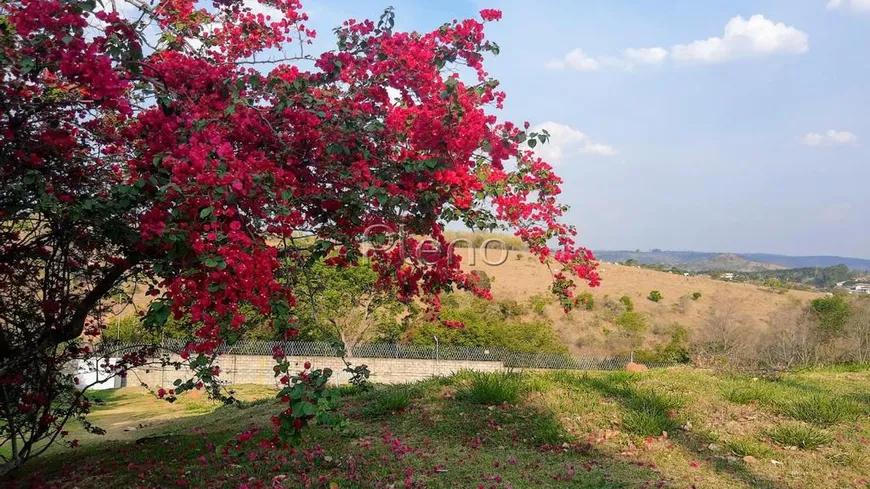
x,y
666,428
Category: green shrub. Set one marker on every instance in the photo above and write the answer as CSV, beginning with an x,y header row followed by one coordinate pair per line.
x,y
822,410
487,324
676,350
484,282
389,401
696,296
512,308
348,390
775,285
655,296
832,312
587,300
626,301
539,303
801,436
632,322
492,388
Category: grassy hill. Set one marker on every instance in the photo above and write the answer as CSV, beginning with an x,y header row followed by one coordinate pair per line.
x,y
679,428
522,277
730,262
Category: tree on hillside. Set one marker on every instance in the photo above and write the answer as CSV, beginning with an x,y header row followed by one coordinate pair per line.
x,y
345,304
177,145
832,313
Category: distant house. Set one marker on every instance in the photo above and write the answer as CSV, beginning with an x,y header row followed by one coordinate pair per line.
x,y
860,289
728,276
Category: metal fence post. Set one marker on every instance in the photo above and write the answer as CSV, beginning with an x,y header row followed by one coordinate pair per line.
x,y
437,344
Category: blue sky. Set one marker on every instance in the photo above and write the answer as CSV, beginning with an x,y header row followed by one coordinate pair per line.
x,y
755,141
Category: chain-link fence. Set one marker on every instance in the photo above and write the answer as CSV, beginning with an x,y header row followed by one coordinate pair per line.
x,y
436,352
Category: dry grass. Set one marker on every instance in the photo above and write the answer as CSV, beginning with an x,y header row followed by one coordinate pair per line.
x,y
582,331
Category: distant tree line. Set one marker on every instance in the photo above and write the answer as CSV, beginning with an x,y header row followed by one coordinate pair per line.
x,y
818,277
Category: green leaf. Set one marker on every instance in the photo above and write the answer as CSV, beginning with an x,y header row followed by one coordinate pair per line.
x,y
156,316
533,143
205,212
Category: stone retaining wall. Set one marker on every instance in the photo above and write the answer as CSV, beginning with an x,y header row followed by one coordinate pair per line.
x,y
257,369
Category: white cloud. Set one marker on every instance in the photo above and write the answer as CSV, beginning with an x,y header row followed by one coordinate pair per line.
x,y
753,37
829,138
756,36
580,61
854,5
591,148
648,56
566,141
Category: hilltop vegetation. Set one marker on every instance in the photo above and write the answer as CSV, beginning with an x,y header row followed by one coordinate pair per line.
x,y
688,259
818,277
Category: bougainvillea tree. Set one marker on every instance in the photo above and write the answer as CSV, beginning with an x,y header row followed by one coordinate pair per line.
x,y
175,145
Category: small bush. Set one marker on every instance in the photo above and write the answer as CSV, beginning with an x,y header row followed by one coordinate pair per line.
x,y
748,447
484,282
655,296
511,308
803,437
632,322
492,388
539,303
674,351
626,301
389,401
587,300
822,410
776,285
696,296
832,312
349,390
